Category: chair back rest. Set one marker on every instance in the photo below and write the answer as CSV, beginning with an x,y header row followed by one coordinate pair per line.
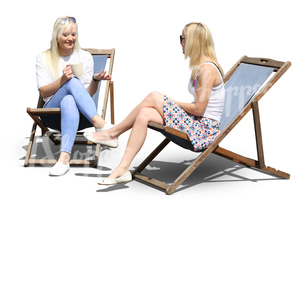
x,y
240,88
99,65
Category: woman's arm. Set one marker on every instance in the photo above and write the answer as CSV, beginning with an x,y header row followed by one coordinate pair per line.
x,y
93,86
50,89
207,78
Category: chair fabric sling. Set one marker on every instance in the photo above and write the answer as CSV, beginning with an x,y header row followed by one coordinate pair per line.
x,y
99,65
41,115
240,88
245,84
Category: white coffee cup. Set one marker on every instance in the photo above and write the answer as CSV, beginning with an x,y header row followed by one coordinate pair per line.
x,y
77,69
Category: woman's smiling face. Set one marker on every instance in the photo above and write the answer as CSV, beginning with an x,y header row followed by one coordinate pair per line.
x,y
67,41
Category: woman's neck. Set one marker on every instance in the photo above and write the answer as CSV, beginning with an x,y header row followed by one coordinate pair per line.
x,y
65,53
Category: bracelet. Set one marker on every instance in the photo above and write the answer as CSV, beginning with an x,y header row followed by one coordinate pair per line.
x,y
95,79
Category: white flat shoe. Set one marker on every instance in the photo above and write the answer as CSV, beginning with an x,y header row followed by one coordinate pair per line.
x,y
123,179
59,169
111,144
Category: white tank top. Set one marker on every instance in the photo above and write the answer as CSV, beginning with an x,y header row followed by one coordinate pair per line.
x,y
215,103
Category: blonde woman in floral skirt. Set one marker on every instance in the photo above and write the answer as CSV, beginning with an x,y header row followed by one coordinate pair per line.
x,y
199,119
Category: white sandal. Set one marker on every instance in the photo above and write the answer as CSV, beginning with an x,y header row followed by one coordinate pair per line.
x,y
123,179
111,144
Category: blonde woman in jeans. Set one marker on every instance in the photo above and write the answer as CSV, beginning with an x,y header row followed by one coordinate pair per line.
x,y
60,89
199,119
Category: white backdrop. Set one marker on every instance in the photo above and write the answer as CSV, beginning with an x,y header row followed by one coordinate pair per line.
x,y
223,240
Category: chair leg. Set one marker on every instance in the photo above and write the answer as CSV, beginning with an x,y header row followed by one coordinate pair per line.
x,y
260,162
29,148
248,162
153,154
258,134
137,173
189,170
97,155
183,176
112,105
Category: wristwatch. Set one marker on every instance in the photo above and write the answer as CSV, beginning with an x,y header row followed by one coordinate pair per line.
x,y
95,79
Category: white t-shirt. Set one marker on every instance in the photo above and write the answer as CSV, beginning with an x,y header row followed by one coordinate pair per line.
x,y
44,76
216,100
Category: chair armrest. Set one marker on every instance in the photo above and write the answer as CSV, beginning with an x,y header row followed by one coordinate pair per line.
x,y
43,111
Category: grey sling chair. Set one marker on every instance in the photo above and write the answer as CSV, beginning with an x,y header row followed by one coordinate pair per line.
x,y
41,116
245,84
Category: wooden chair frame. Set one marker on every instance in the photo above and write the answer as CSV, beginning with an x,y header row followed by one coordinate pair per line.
x,y
280,69
35,114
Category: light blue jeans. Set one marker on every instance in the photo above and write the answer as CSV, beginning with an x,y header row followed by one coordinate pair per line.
x,y
72,98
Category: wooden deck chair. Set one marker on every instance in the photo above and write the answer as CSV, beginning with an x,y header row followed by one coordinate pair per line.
x,y
40,114
245,84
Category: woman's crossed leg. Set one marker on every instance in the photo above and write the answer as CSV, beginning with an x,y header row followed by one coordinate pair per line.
x,y
151,109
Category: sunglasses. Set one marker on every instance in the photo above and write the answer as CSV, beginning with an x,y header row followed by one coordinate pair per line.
x,y
64,20
181,38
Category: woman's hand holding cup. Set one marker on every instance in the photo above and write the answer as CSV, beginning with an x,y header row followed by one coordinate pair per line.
x,y
67,73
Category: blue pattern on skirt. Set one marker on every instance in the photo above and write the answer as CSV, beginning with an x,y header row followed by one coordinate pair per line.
x,y
200,130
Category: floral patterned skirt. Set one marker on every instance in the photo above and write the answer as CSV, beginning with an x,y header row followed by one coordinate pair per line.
x,y
200,130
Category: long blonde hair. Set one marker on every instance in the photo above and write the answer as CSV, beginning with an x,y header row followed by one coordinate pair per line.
x,y
52,55
198,46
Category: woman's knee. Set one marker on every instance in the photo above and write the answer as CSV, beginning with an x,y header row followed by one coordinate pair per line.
x,y
155,99
148,114
69,113
68,107
155,95
143,115
68,102
74,82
